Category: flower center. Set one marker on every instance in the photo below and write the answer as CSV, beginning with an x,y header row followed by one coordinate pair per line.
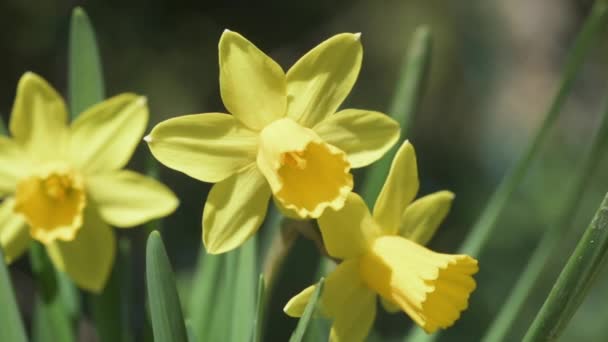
x,y
306,174
432,288
52,200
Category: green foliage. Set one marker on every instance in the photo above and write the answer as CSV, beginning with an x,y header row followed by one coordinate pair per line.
x,y
574,281
11,326
309,311
165,311
85,85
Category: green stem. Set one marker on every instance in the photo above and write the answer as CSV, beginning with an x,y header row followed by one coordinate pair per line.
x,y
481,231
405,102
549,242
574,280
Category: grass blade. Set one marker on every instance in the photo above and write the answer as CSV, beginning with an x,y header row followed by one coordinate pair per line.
x,y
85,83
52,320
190,331
165,310
510,311
243,302
258,323
405,102
11,325
305,320
574,281
206,282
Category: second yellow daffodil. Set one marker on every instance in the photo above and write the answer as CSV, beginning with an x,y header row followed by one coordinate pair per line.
x,y
63,185
284,137
383,254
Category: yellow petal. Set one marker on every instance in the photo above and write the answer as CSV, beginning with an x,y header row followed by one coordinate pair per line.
x,y
398,191
52,201
39,117
320,81
422,218
14,235
364,135
348,232
13,164
105,136
234,210
209,147
88,259
296,305
389,305
350,304
252,85
432,288
306,175
126,199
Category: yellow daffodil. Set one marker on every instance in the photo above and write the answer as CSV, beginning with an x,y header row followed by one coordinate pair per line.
x,y
284,137
383,255
63,185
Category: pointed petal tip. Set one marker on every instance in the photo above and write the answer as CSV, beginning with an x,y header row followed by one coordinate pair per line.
x,y
148,139
357,36
227,30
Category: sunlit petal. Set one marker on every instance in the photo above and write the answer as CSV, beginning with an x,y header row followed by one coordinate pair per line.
x,y
348,232
126,199
88,259
234,210
320,81
422,218
14,235
39,118
105,136
398,191
209,147
252,85
363,135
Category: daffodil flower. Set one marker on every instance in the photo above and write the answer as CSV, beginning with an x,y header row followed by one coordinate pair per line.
x,y
284,137
383,254
63,185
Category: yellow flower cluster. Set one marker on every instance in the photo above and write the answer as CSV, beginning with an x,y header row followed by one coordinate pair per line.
x,y
284,139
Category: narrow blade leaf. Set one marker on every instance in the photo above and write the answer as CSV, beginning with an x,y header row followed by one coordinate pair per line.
x,y
165,310
11,326
305,320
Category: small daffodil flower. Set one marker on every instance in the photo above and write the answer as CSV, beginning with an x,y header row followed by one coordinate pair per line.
x,y
383,254
63,185
283,139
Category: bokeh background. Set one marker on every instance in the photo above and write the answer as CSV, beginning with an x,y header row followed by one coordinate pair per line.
x,y
495,69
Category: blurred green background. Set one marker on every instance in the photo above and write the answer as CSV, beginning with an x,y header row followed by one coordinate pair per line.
x,y
495,68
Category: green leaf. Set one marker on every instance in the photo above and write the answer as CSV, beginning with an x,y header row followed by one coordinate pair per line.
x,y
258,323
574,281
52,320
406,99
206,278
11,326
243,303
111,307
510,311
85,83
165,311
305,320
190,330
